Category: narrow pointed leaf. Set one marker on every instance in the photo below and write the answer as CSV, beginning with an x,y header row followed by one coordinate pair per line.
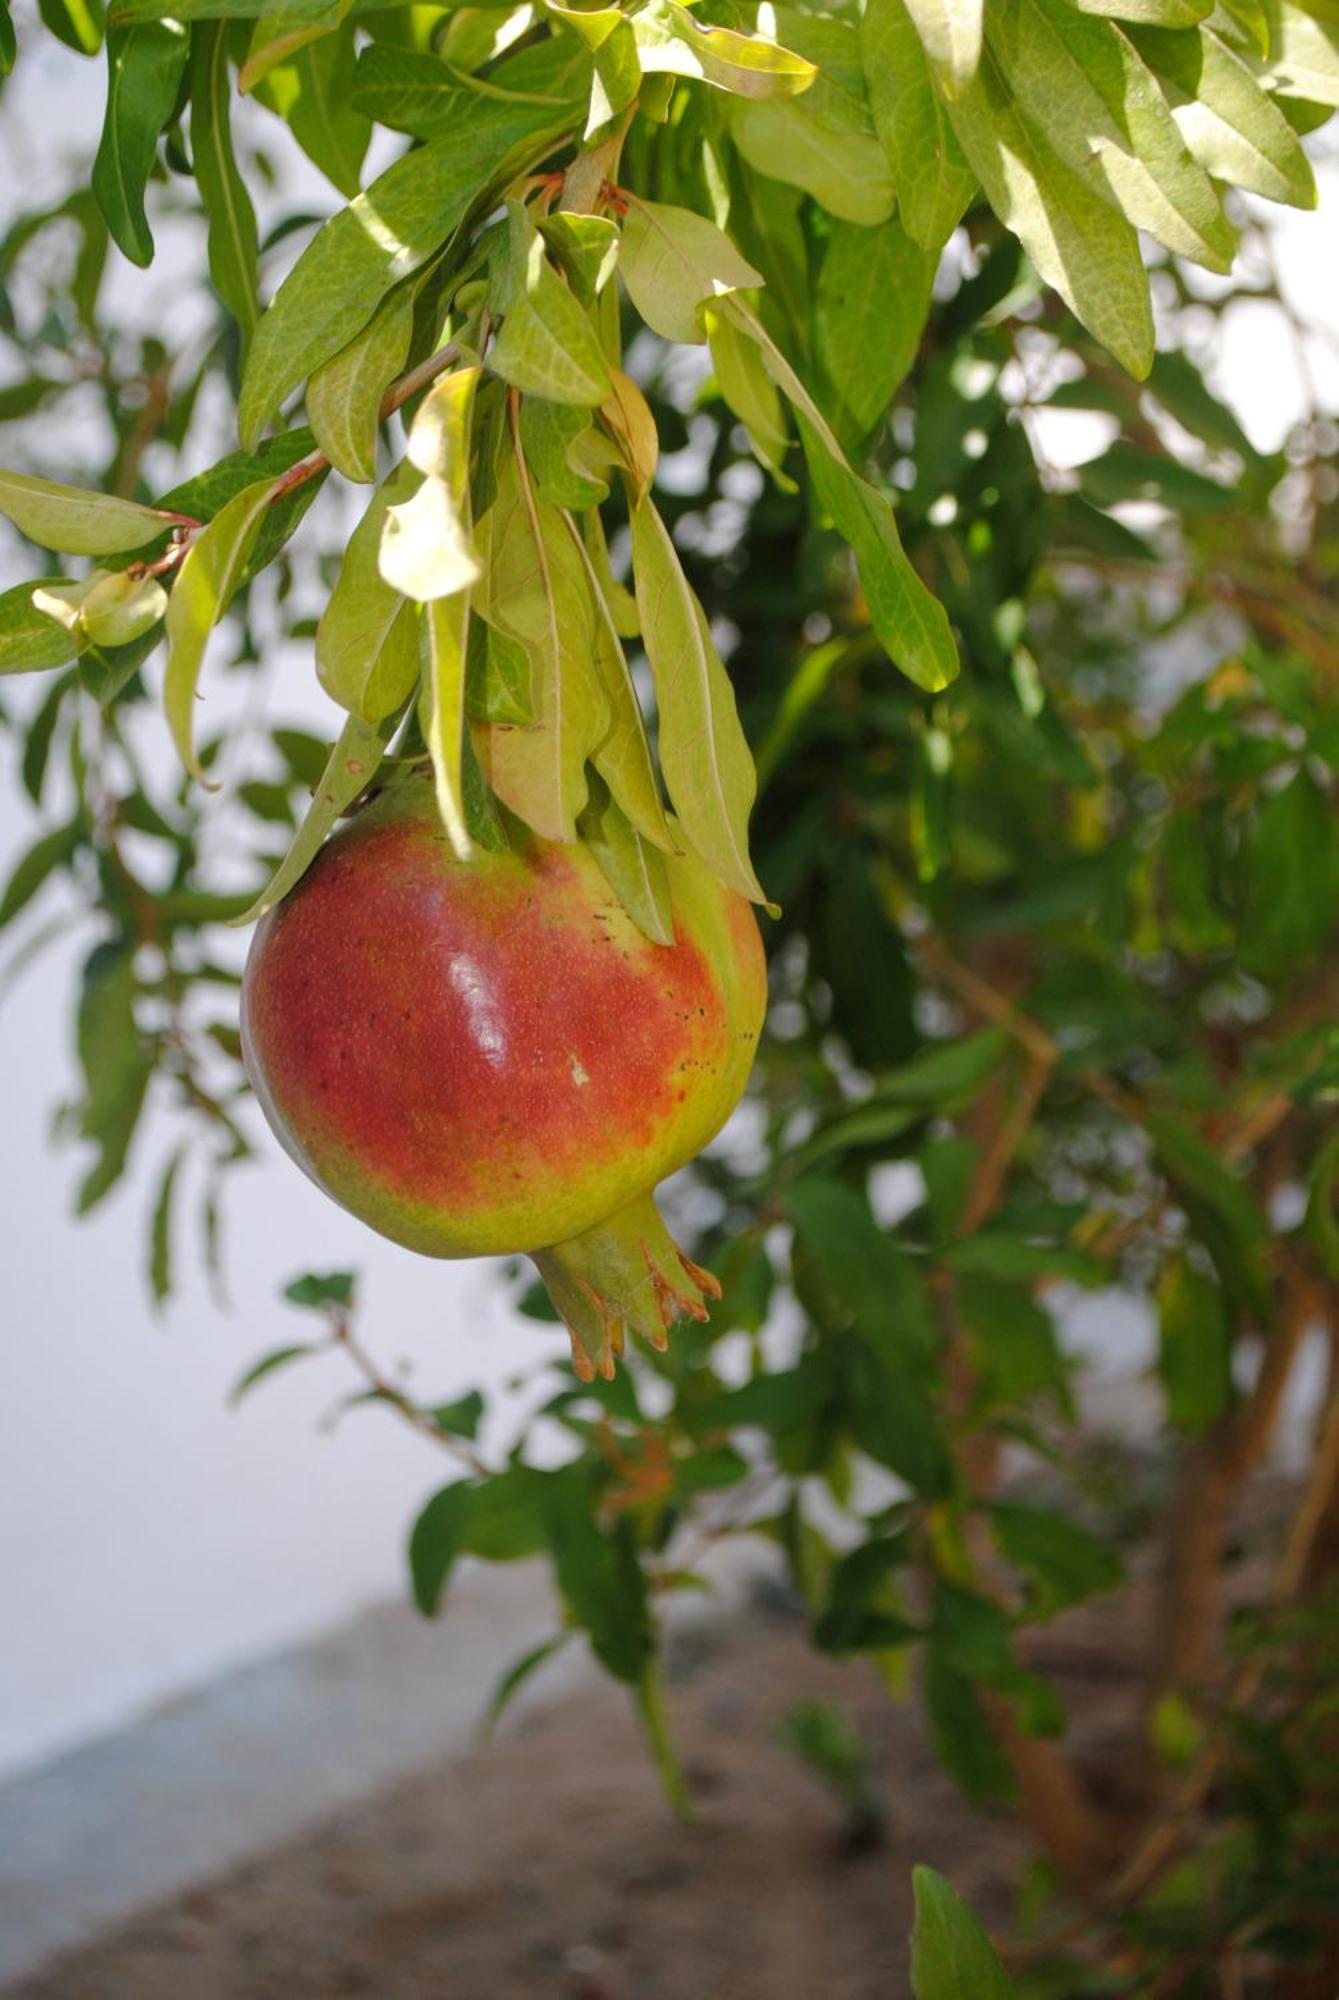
x,y
144,71
910,621
623,757
1079,244
232,243
367,640
201,594
445,635
345,394
933,180
1082,84
1227,121
535,591
353,761
311,90
633,868
708,770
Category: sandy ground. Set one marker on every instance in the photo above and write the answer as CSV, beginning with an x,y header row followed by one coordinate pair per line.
x,y
549,1867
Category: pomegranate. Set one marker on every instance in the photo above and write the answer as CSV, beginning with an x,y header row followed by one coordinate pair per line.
x,y
489,1056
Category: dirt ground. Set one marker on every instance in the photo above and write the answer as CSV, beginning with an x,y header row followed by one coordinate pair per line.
x,y
548,1867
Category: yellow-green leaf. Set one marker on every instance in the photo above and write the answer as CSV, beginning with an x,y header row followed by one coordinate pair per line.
x,y
950,33
708,769
201,594
76,522
670,39
345,394
446,622
367,638
674,263
352,762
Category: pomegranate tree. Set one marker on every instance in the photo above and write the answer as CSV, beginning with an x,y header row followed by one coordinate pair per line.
x,y
487,1056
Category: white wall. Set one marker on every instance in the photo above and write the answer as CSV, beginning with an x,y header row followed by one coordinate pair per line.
x,y
148,1537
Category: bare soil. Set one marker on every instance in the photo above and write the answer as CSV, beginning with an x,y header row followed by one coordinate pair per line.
x,y
548,1866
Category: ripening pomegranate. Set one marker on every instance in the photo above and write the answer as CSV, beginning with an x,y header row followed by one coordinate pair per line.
x,y
489,1056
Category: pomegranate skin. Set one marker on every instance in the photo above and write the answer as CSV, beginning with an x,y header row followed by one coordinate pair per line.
x,y
489,1056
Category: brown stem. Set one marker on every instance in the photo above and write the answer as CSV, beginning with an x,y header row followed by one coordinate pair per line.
x,y
390,1392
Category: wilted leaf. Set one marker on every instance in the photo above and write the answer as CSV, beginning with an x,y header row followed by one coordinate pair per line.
x,y
426,551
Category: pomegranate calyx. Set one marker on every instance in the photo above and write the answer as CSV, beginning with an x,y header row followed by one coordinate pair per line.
x,y
626,1275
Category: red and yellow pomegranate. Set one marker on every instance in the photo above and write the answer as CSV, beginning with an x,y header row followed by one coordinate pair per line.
x,y
490,1057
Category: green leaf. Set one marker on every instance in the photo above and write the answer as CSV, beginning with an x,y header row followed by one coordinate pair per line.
x,y
674,263
278,1358
748,389
950,34
145,65
952,1958
846,172
1079,244
671,41
934,182
105,608
116,1063
1304,52
1081,85
49,852
870,309
1183,393
876,1285
598,1573
962,1735
316,1290
460,1418
497,677
8,42
623,755
1226,120
446,622
536,592
345,394
232,220
911,624
201,594
1290,878
608,34
1067,1563
414,92
436,1541
1150,13
1220,1203
703,754
515,1679
160,1230
1127,472
77,23
634,870
425,544
367,639
353,760
76,522
311,91
380,238
1194,1347
30,641
548,345
555,438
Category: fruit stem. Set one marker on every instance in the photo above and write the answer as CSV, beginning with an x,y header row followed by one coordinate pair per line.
x,y
627,1275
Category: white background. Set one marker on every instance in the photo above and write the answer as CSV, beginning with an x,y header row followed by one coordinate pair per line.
x,y
149,1537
